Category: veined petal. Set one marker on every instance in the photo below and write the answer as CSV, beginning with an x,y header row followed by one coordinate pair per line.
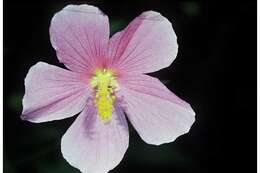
x,y
94,146
80,34
157,114
146,45
53,93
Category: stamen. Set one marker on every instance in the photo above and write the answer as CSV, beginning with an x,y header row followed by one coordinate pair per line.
x,y
104,82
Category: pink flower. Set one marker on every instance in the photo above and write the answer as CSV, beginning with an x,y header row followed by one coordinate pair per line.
x,y
106,78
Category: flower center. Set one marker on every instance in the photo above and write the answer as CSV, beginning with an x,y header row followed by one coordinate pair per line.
x,y
104,83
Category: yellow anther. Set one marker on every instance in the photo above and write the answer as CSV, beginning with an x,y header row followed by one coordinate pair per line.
x,y
104,82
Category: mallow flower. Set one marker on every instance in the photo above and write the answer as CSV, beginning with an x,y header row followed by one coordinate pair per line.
x,y
106,80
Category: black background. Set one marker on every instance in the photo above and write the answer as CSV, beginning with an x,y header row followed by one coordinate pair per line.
x,y
215,71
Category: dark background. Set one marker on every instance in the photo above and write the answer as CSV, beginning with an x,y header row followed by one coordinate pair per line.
x,y
215,71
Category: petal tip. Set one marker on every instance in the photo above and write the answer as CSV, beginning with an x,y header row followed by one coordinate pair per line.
x,y
25,117
151,15
83,8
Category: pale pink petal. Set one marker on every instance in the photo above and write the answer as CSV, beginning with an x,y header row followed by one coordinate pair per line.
x,y
147,44
80,35
94,146
53,93
157,114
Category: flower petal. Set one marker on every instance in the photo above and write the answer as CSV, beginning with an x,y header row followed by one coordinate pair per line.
x,y
53,93
157,114
146,45
94,146
80,34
